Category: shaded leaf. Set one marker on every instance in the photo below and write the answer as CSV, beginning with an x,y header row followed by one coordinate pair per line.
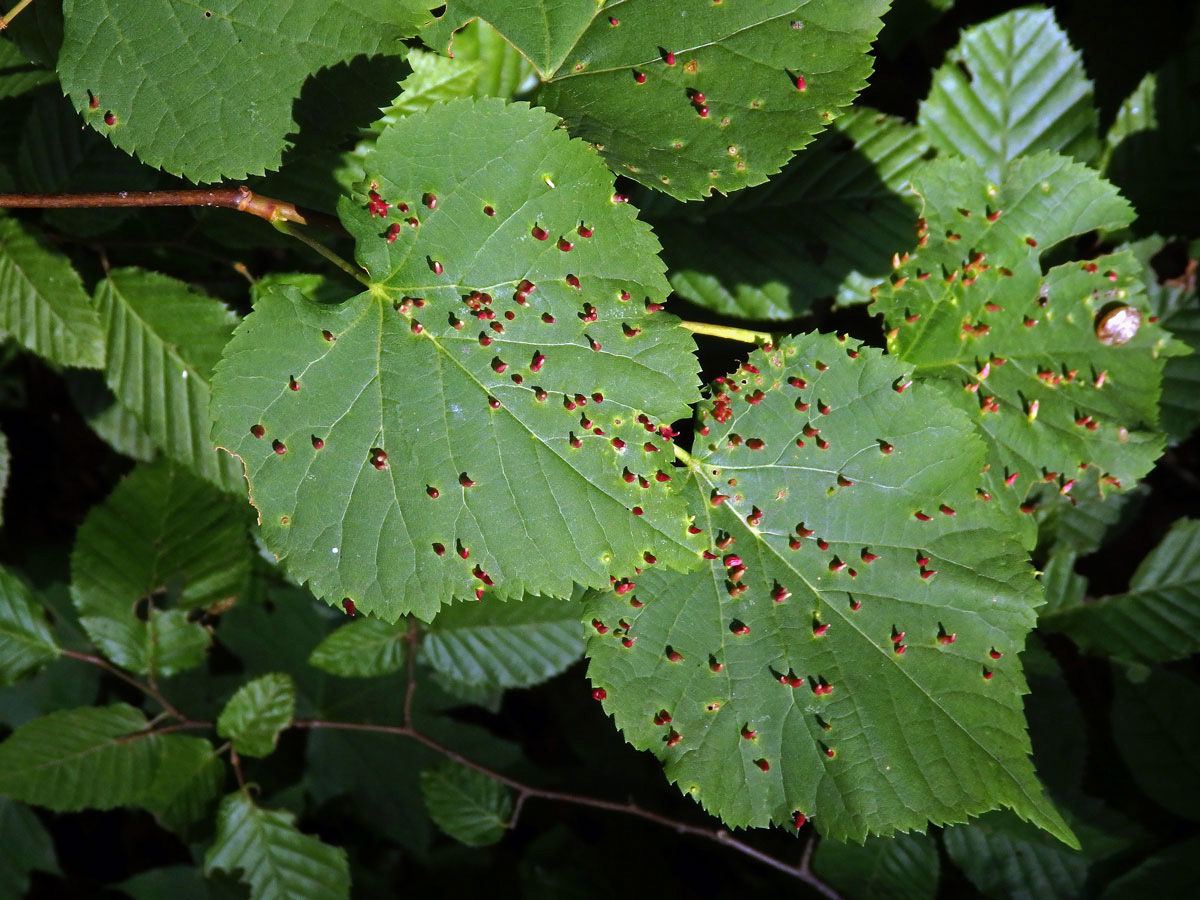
x,y
363,648
1155,724
165,535
1157,619
1064,588
225,76
1012,87
80,759
504,645
42,303
17,74
1093,517
827,225
5,459
112,422
625,77
26,846
466,804
176,882
276,860
903,867
26,639
408,442
1167,873
974,295
188,779
851,653
257,713
163,339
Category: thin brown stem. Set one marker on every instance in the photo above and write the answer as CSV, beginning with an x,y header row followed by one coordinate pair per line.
x,y
151,692
236,762
526,791
13,13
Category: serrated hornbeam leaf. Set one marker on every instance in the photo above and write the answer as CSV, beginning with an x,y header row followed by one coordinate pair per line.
x,y
504,645
88,758
164,532
187,780
1021,353
483,413
26,640
257,713
42,303
466,804
225,75
711,98
1012,87
902,867
852,652
1157,619
364,648
164,338
275,859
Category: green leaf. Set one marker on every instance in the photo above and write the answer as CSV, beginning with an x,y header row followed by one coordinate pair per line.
x,y
256,714
466,804
363,648
908,710
164,72
1167,873
162,533
903,867
1152,146
80,759
42,303
1012,87
26,846
112,422
825,226
1004,858
26,640
1064,588
188,779
1092,518
1157,619
1155,724
504,645
5,461
975,294
274,858
501,69
745,58
176,882
393,403
17,74
163,339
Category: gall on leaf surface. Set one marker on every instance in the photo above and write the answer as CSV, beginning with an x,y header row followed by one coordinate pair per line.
x,y
712,97
852,651
206,91
971,312
471,418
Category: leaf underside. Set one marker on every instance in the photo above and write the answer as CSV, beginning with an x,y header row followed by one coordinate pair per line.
x,y
447,429
862,562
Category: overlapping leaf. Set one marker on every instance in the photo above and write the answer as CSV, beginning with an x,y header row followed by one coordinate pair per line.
x,y
1012,87
17,73
163,535
26,640
1157,619
273,857
481,414
827,225
27,846
112,422
257,713
42,303
903,867
206,91
187,780
467,805
164,338
713,97
80,759
504,645
364,648
851,653
1020,352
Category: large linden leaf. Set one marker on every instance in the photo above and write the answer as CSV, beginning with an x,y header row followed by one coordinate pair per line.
x,y
852,652
1018,350
206,90
449,428
703,97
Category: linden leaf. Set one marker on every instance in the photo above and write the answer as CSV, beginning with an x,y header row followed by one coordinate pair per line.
x,y
496,407
713,97
851,653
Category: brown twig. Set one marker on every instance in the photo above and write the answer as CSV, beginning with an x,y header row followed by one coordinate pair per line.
x,y
151,692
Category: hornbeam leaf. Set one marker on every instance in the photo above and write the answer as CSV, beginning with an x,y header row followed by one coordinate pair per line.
x,y
710,98
851,654
27,846
1012,87
256,714
1028,356
207,90
187,780
484,412
364,648
903,867
274,858
467,805
26,640
88,758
